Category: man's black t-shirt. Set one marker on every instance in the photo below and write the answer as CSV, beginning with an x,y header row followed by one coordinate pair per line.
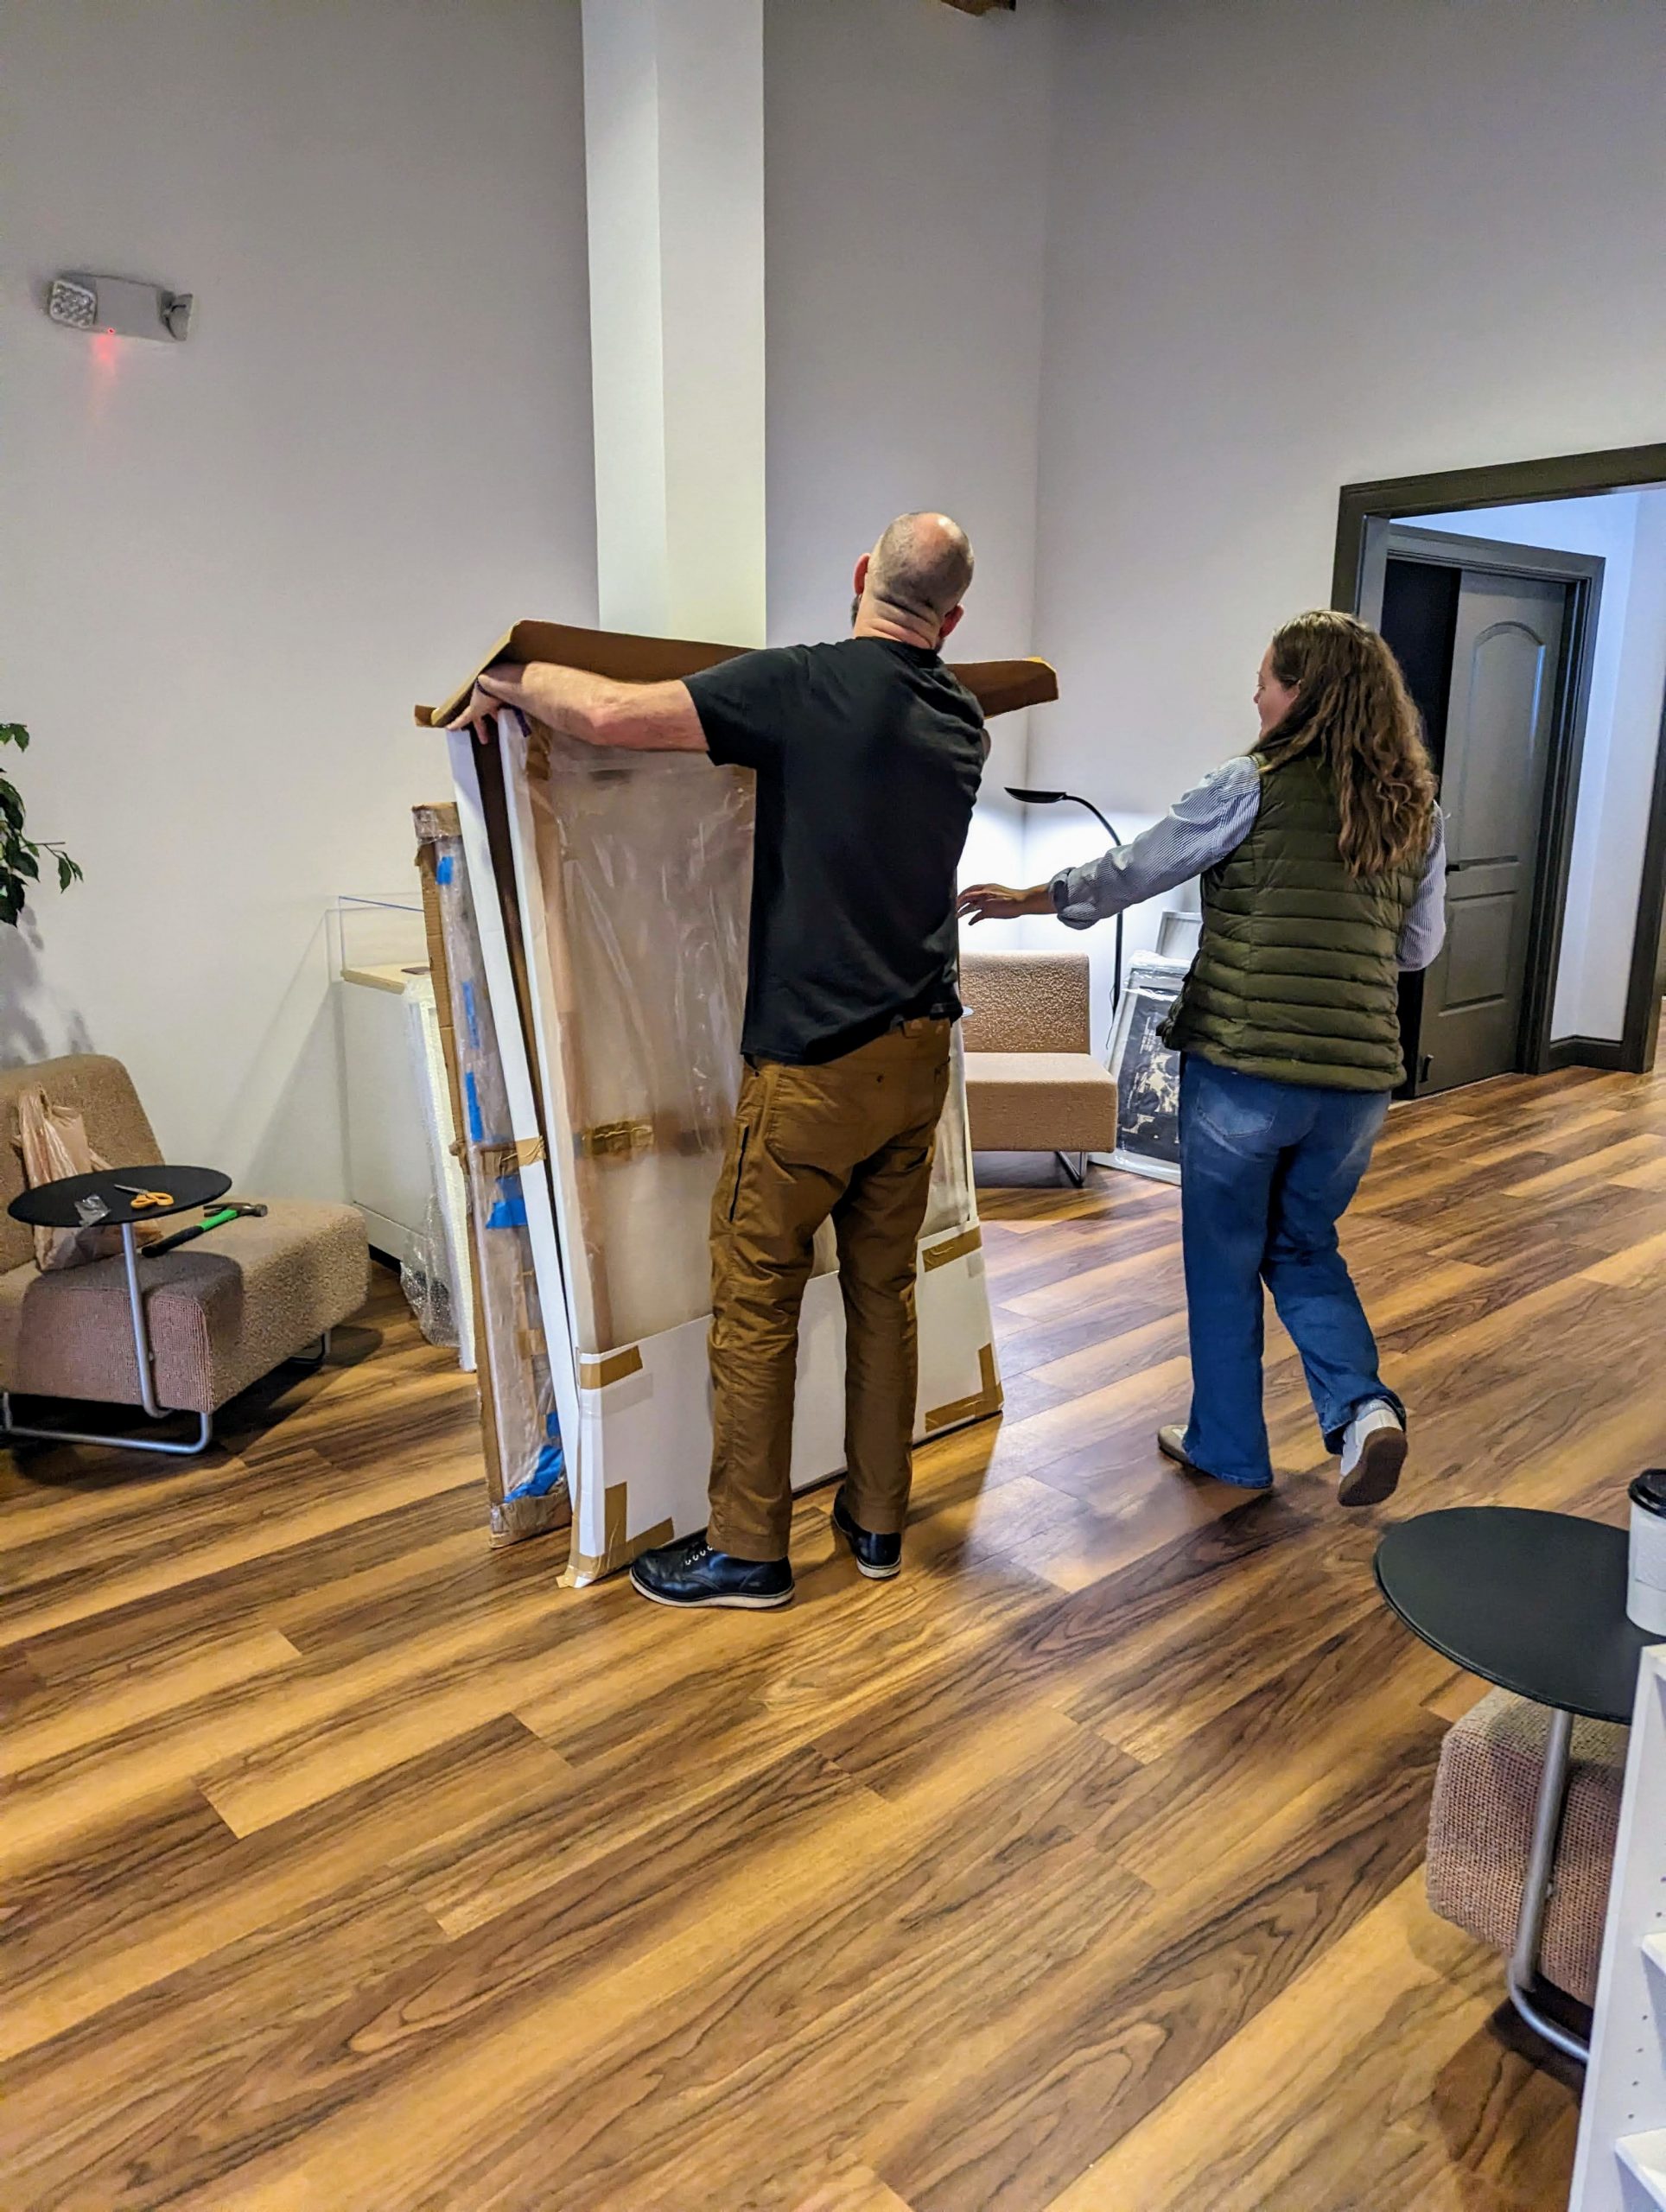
x,y
867,755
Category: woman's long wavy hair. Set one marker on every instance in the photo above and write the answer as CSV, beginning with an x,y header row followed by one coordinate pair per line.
x,y
1353,709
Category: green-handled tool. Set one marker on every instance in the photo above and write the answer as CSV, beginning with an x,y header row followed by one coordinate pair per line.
x,y
216,1217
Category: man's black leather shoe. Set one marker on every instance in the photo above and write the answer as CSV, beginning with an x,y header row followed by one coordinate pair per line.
x,y
690,1574
879,1557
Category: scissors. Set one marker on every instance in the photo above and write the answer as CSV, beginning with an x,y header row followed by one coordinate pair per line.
x,y
142,1197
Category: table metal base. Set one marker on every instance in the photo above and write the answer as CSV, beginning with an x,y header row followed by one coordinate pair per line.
x,y
1522,1972
144,1357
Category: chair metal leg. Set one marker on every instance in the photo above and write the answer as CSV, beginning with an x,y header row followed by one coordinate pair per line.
x,y
311,1360
115,1441
144,1360
1522,1973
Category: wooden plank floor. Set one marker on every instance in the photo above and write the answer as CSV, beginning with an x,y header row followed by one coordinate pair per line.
x,y
346,1866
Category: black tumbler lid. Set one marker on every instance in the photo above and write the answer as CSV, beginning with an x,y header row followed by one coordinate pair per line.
x,y
1648,1490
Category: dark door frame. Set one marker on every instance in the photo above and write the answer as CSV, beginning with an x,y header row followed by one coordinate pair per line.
x,y
1562,476
1582,573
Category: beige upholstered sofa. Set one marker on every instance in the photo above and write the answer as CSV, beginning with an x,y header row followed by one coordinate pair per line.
x,y
1481,1833
223,1310
1032,1084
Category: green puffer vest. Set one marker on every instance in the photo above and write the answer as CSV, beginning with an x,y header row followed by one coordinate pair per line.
x,y
1297,975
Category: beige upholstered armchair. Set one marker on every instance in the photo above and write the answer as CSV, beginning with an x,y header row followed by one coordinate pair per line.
x,y
215,1316
1032,1083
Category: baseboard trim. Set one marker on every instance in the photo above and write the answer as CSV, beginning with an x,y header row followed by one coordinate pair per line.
x,y
1586,1052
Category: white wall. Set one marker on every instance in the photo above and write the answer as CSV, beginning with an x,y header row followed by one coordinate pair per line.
x,y
230,567
1628,676
906,151
1295,245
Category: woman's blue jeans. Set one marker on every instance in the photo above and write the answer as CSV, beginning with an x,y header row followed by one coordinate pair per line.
x,y
1267,1171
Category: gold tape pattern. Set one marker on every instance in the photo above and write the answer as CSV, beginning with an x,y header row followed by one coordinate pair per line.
x,y
979,1406
582,1566
612,1367
956,1248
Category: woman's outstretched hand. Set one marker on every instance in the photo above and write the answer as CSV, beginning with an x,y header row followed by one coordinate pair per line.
x,y
998,902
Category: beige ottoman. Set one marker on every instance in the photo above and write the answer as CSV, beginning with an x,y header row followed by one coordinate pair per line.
x,y
1481,1833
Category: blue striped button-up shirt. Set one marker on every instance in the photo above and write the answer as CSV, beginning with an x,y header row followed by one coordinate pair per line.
x,y
1212,820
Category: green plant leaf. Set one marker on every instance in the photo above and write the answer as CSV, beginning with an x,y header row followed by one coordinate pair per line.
x,y
26,861
69,872
15,733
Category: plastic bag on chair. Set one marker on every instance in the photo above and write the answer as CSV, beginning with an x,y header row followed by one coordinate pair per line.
x,y
53,1142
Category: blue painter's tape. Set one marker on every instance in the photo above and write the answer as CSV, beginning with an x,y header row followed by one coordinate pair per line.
x,y
510,1213
447,869
471,1015
472,1100
549,1471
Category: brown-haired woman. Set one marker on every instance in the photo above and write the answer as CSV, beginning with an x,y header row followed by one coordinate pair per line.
x,y
1323,861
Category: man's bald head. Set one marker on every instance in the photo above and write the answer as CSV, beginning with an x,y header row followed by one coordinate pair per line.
x,y
920,568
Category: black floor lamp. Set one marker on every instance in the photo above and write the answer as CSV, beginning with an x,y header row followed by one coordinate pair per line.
x,y
1053,798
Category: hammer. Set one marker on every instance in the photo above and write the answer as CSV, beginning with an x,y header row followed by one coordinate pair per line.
x,y
225,1210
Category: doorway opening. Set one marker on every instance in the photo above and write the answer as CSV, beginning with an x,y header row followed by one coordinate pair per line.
x,y
1527,604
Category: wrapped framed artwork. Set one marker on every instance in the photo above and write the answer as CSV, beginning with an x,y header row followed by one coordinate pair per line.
x,y
1148,1074
609,898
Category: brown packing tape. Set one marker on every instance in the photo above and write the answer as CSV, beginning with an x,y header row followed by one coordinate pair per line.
x,y
981,1403
595,1374
1000,686
614,1144
938,1255
620,1549
437,820
615,1140
505,1159
514,1522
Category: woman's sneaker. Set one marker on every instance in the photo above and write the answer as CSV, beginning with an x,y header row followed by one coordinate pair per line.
x,y
1171,1442
1373,1452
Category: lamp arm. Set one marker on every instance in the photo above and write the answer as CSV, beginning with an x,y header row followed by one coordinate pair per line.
x,y
1109,827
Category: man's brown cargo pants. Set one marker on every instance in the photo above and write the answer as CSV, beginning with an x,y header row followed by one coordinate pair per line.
x,y
851,1139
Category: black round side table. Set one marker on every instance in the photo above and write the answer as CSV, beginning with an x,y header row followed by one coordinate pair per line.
x,y
53,1205
1534,1602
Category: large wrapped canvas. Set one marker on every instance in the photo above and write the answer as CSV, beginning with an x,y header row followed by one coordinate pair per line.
x,y
615,945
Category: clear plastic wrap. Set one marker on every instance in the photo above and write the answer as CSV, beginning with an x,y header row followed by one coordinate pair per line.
x,y
645,865
422,1278
530,1494
644,875
436,1275
953,1200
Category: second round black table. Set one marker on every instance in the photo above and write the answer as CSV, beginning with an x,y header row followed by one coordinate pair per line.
x,y
1534,1602
52,1205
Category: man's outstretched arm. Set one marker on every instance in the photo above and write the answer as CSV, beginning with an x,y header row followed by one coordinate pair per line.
x,y
635,717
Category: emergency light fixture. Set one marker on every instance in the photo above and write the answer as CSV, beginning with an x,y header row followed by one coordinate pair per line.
x,y
119,306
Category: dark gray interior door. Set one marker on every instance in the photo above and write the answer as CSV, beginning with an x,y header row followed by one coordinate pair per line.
x,y
1500,723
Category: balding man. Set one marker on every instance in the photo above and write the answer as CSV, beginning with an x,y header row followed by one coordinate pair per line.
x,y
867,754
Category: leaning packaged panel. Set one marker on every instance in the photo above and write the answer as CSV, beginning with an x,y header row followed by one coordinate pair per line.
x,y
515,1363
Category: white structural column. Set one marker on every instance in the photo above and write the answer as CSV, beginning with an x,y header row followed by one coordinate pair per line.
x,y
674,148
